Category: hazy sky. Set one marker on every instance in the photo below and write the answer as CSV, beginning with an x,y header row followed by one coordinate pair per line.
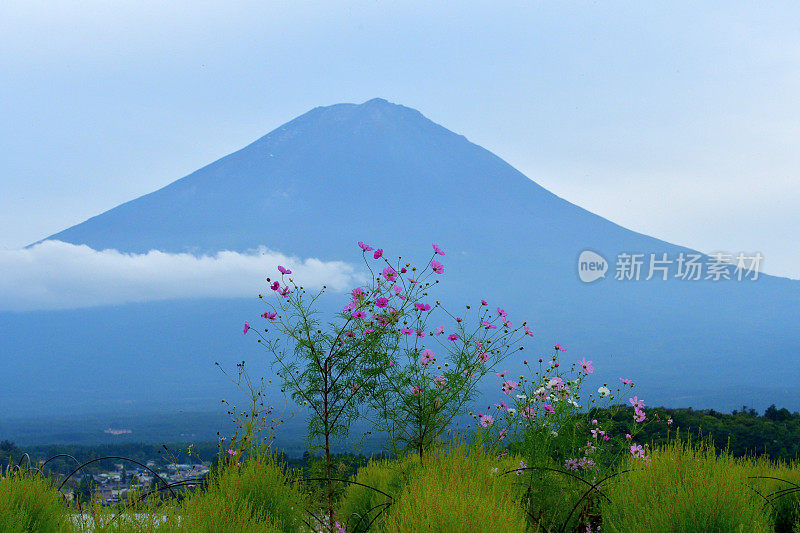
x,y
675,121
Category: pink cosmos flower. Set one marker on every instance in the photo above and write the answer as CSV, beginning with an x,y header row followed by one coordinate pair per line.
x,y
502,405
358,293
422,307
437,267
459,319
285,292
350,305
275,286
232,451
488,325
339,528
502,374
522,465
669,421
486,420
503,434
381,301
586,365
365,247
368,331
350,334
415,390
412,280
452,337
502,312
407,331
509,386
283,270
269,315
359,314
440,381
403,270
639,415
594,422
625,381
557,347
637,451
391,363
378,253
389,273
439,330
483,356
437,250
627,436
528,331
420,333
483,302
426,357
529,412
548,408
636,402
246,327
507,323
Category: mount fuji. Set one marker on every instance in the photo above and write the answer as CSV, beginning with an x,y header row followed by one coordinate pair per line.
x,y
385,174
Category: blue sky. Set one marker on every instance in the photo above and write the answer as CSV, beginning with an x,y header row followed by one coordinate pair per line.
x,y
674,120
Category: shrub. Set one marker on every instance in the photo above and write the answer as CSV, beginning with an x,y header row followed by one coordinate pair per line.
x,y
686,488
457,491
360,504
259,489
29,504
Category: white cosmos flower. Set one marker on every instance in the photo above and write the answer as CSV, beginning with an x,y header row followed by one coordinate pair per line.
x,y
554,433
512,411
521,396
574,403
604,391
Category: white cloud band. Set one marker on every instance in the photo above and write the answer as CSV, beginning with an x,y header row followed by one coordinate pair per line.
x,y
59,275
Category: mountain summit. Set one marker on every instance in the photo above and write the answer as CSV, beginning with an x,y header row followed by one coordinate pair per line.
x,y
385,174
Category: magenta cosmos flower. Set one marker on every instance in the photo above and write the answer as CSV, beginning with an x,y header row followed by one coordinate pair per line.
x,y
359,314
269,315
381,301
422,307
586,366
365,247
548,408
283,270
378,253
437,267
407,331
246,327
452,337
389,273
437,250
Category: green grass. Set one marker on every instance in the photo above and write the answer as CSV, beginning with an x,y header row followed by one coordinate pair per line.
x,y
29,503
458,490
686,488
259,487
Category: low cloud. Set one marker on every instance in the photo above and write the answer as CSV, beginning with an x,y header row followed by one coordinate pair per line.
x,y
59,275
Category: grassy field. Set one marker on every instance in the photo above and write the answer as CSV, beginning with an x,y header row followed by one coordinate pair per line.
x,y
681,487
